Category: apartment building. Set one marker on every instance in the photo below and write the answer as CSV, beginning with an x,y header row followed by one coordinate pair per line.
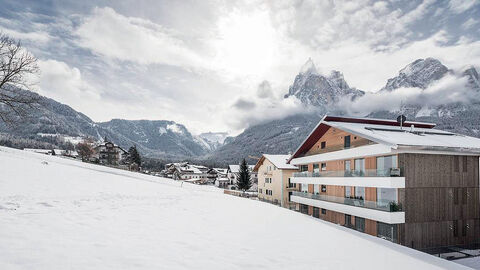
x,y
412,184
273,179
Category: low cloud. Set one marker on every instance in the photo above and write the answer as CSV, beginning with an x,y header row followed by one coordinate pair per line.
x,y
244,104
449,89
265,90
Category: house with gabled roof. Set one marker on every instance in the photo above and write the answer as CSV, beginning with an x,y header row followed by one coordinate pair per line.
x,y
405,181
274,179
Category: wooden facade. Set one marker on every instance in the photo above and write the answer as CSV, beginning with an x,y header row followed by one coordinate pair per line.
x,y
441,198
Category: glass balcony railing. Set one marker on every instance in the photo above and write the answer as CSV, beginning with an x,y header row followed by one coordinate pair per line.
x,y
387,206
391,172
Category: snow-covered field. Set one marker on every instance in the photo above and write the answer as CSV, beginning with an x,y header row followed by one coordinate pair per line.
x,y
63,214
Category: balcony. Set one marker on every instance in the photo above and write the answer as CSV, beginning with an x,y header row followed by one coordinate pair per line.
x,y
358,202
387,212
390,178
391,172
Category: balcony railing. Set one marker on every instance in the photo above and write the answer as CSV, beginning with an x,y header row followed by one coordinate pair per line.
x,y
387,206
391,172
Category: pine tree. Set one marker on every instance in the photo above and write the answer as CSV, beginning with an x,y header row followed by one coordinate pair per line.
x,y
244,182
134,156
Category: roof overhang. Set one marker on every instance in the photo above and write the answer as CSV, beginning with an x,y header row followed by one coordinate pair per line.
x,y
326,122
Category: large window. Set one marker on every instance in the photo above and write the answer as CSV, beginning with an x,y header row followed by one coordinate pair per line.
x,y
316,168
323,145
304,188
360,193
387,231
303,168
316,189
316,212
348,221
360,224
384,164
386,195
348,192
304,208
360,166
346,141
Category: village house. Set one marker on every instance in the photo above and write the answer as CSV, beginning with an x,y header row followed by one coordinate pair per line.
x,y
233,173
411,184
274,179
187,172
109,153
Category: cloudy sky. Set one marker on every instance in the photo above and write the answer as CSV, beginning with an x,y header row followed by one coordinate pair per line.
x,y
220,65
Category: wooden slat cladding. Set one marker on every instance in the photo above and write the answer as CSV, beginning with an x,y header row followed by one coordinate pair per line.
x,y
371,227
442,193
334,139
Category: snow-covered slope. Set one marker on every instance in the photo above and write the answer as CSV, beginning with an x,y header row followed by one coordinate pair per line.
x,y
63,214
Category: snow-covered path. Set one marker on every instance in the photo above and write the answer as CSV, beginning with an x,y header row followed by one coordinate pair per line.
x,y
71,215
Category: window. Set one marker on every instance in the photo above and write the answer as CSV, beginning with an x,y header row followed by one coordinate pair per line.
x,y
348,221
303,168
324,166
316,168
260,190
304,188
387,231
360,166
456,163
348,165
384,164
360,192
304,208
360,224
291,185
316,189
316,212
348,192
324,211
324,188
346,141
386,195
323,145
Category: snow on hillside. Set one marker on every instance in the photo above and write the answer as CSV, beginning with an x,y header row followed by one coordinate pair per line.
x,y
63,214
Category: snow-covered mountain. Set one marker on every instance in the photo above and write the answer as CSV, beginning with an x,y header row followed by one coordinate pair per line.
x,y
420,74
313,88
165,139
211,140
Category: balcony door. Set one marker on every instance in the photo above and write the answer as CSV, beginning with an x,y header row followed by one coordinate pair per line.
x,y
360,166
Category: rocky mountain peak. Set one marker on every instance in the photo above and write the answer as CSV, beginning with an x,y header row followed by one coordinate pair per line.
x,y
420,73
308,68
473,79
312,88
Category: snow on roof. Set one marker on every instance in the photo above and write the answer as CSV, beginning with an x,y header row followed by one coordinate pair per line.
x,y
280,161
236,168
389,132
394,136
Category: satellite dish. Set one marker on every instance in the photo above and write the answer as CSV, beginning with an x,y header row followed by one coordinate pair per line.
x,y
401,119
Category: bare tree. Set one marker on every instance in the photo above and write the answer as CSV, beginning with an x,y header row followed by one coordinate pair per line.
x,y
17,66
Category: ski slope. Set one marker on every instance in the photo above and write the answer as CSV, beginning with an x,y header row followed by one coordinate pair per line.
x,y
57,213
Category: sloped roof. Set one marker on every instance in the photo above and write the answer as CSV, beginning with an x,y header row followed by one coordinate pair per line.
x,y
236,168
390,133
279,161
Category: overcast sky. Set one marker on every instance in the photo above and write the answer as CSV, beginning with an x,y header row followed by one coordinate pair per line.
x,y
220,65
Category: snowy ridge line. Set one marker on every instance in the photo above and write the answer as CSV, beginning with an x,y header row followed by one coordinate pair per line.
x,y
107,170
